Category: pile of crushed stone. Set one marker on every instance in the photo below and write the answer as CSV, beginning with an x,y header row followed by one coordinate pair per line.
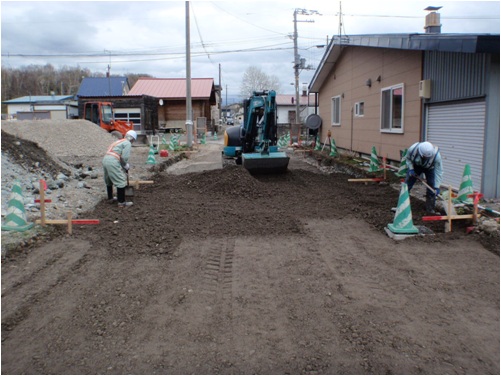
x,y
62,138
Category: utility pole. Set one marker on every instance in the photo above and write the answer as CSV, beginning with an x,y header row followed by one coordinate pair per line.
x,y
298,64
220,98
189,116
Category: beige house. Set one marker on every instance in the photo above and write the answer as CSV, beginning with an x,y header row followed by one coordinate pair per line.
x,y
392,90
350,100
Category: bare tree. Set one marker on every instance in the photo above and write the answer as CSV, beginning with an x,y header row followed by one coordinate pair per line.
x,y
256,80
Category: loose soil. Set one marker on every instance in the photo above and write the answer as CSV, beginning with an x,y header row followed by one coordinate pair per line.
x,y
223,272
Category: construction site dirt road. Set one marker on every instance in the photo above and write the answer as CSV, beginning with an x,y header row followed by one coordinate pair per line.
x,y
222,272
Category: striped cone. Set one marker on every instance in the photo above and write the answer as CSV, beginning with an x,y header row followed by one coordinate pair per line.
x,y
174,142
374,164
151,156
284,141
317,143
215,136
402,223
16,216
402,170
333,152
203,140
466,187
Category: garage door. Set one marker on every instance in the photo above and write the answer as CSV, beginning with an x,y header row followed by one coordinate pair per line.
x,y
130,114
458,130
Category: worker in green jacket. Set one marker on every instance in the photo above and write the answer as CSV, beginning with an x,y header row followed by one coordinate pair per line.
x,y
116,166
424,158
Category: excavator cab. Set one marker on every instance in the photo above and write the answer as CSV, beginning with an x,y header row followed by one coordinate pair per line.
x,y
254,144
101,113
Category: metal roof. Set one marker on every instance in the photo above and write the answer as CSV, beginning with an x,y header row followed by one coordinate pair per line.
x,y
462,43
103,86
288,99
173,88
40,99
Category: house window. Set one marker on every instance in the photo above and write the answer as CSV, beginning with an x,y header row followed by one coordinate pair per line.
x,y
392,109
336,110
359,109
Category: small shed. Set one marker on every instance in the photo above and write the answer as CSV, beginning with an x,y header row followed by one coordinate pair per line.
x,y
171,99
139,109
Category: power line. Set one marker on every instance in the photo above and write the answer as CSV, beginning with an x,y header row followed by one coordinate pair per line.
x,y
164,56
199,34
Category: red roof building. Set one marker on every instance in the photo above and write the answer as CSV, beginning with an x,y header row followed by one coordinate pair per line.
x,y
171,95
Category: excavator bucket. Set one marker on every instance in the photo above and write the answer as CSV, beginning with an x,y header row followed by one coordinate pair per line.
x,y
272,163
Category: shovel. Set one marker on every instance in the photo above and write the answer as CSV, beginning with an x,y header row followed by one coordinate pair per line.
x,y
446,207
129,190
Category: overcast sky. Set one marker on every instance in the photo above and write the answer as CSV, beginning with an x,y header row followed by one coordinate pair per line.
x,y
150,36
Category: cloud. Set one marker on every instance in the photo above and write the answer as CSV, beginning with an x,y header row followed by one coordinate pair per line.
x,y
228,37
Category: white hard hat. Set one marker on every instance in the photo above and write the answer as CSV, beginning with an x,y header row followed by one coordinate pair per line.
x,y
426,149
131,134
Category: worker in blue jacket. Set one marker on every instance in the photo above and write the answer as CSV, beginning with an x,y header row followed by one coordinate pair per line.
x,y
116,166
424,158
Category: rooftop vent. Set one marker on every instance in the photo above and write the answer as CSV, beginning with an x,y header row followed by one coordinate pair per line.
x,y
432,23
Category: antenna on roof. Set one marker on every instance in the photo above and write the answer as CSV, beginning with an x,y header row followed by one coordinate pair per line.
x,y
340,21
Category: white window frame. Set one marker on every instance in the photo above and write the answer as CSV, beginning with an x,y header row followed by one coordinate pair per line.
x,y
393,125
359,109
336,110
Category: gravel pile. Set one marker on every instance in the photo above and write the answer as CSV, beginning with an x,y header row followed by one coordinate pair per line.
x,y
62,138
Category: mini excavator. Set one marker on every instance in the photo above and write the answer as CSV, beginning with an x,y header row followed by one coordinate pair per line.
x,y
254,143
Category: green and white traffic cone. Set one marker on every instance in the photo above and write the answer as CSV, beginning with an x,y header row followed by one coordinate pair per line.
x,y
333,152
283,141
215,136
402,170
374,163
203,140
466,187
151,156
317,143
402,223
16,214
174,142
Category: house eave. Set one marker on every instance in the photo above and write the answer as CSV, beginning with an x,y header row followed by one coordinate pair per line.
x,y
462,43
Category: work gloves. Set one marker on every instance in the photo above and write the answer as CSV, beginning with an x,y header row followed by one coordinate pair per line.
x,y
412,173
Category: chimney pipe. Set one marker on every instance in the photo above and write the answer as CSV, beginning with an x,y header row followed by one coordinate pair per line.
x,y
432,21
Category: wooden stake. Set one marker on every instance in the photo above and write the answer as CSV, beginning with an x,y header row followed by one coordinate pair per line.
x,y
449,211
73,221
366,180
42,201
70,227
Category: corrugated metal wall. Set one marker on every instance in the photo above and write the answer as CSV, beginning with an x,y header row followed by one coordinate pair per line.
x,y
455,75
